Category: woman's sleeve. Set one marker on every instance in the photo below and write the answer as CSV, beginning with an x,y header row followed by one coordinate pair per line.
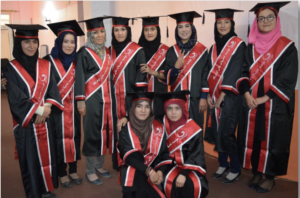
x,y
243,83
79,87
170,72
141,81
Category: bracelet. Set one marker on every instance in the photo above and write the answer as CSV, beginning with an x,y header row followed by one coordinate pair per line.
x,y
157,74
149,170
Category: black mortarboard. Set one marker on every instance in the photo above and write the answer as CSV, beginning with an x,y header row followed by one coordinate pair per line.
x,y
141,95
150,20
173,95
226,13
185,17
26,31
71,26
120,21
95,23
275,6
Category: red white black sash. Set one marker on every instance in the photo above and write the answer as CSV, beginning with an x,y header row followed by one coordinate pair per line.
x,y
155,62
153,148
262,67
65,88
101,79
175,141
184,77
118,75
219,66
37,91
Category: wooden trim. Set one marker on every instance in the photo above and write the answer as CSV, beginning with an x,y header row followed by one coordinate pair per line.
x,y
9,11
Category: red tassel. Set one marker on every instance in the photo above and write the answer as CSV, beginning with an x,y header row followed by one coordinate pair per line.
x,y
209,119
16,153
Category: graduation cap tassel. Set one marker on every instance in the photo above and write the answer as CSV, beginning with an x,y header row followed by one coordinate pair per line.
x,y
132,21
167,28
203,19
248,26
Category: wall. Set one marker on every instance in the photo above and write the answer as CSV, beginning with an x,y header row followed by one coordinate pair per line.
x,y
23,8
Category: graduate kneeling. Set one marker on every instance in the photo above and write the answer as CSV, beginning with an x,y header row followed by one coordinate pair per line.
x,y
143,153
186,177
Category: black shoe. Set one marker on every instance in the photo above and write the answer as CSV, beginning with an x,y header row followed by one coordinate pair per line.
x,y
259,189
48,195
228,181
254,185
77,181
217,176
105,175
66,184
95,182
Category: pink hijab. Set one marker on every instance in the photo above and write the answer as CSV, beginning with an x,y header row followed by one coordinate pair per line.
x,y
264,42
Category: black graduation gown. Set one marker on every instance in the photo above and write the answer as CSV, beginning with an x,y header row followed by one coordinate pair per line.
x,y
193,154
132,75
198,81
58,124
86,66
224,135
26,143
140,187
284,76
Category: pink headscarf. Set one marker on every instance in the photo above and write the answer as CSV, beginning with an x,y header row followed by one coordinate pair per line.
x,y
264,42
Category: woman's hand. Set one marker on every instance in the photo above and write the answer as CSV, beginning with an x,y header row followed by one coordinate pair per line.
x,y
262,100
251,102
161,177
3,81
180,181
180,61
146,69
202,105
47,111
219,100
82,111
154,177
39,119
210,102
121,123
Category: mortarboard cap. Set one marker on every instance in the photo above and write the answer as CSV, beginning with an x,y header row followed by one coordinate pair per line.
x,y
26,31
141,95
185,17
120,21
275,6
226,13
70,26
95,23
150,20
166,96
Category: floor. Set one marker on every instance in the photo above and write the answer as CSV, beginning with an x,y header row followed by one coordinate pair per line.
x,y
11,183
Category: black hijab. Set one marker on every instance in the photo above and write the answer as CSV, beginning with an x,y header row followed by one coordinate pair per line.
x,y
220,42
28,62
119,46
150,47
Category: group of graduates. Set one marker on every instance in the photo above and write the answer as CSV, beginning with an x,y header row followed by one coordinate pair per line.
x,y
155,136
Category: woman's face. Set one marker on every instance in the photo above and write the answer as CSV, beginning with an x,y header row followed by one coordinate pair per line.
x,y
29,46
68,45
174,112
99,36
184,32
142,110
120,33
269,22
223,26
150,33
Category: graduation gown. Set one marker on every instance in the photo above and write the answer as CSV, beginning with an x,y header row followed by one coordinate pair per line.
x,y
34,142
274,74
221,123
126,77
92,84
186,149
67,124
155,84
192,76
134,162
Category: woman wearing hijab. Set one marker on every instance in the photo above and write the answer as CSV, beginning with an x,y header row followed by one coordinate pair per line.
x,y
67,125
32,96
186,176
143,152
268,81
93,96
225,65
155,52
126,76
186,66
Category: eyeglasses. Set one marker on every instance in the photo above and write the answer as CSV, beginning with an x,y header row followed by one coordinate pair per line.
x,y
269,18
